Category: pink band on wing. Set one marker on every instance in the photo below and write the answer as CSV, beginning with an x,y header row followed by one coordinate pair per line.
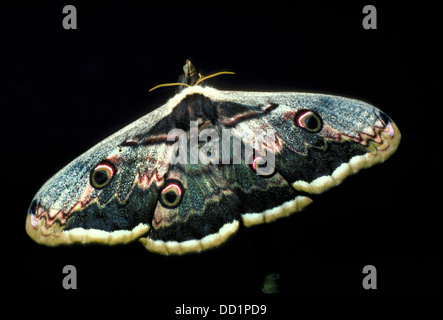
x,y
173,185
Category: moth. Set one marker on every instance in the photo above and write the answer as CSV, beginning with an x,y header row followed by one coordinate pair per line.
x,y
144,183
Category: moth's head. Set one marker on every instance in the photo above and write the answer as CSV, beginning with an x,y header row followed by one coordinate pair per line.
x,y
86,202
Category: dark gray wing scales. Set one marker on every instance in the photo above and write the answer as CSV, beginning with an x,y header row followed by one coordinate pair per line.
x,y
314,162
115,214
265,199
206,216
252,188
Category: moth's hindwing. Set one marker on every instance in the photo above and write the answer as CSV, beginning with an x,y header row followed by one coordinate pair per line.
x,y
137,184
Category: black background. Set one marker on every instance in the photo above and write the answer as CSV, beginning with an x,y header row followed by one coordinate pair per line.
x,y
69,89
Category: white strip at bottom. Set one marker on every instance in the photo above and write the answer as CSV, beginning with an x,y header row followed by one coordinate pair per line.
x,y
195,245
286,209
